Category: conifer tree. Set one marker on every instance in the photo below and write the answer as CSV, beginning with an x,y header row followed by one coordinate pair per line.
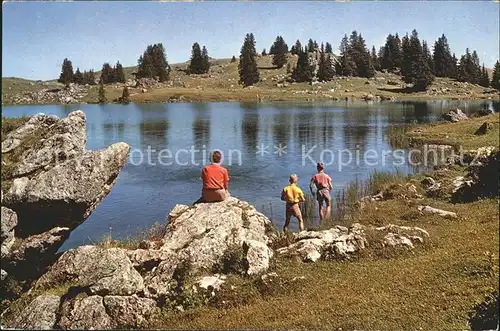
x,y
233,59
107,74
325,66
249,73
205,60
345,64
125,95
442,58
310,46
280,50
119,74
91,77
417,71
67,74
454,67
391,54
264,53
196,64
407,58
485,79
102,93
153,63
78,77
495,80
468,68
374,59
304,71
328,48
427,56
297,48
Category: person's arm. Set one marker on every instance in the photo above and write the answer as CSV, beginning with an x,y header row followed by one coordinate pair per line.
x,y
311,184
330,185
226,180
301,195
283,195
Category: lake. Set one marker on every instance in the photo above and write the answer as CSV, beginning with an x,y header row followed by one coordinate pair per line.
x,y
262,144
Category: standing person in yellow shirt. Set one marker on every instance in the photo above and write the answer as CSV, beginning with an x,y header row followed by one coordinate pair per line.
x,y
292,194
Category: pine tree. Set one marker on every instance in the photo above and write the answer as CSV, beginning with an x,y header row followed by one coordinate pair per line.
x,y
485,79
78,77
453,67
304,71
66,76
91,77
427,56
264,53
196,64
233,59
249,73
119,74
359,56
475,68
315,46
102,93
374,59
328,48
325,66
310,45
443,61
345,64
107,74
469,69
495,80
153,63
416,66
297,48
125,95
406,62
205,60
391,54
280,50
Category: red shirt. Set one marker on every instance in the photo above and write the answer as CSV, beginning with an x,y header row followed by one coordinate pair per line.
x,y
214,177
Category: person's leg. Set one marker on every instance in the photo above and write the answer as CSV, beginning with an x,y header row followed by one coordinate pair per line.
x,y
297,213
328,201
288,216
320,205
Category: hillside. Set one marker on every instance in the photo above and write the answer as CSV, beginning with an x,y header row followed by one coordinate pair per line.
x,y
221,84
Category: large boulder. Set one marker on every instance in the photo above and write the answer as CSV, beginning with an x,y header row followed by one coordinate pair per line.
x,y
455,115
101,271
9,222
45,141
66,194
40,314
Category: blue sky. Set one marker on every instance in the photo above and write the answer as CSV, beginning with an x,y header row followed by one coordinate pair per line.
x,y
37,36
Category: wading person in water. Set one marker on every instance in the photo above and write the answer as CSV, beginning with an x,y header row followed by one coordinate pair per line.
x,y
293,195
323,184
215,181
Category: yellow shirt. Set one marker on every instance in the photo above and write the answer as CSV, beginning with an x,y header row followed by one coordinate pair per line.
x,y
292,193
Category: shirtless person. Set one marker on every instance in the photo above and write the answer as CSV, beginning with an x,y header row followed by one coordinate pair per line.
x,y
323,184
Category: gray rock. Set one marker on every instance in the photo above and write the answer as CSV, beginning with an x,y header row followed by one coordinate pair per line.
x,y
32,256
55,143
129,311
3,275
40,314
87,313
9,222
454,115
66,194
102,271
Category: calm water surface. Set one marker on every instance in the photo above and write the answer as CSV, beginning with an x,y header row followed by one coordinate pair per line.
x,y
146,191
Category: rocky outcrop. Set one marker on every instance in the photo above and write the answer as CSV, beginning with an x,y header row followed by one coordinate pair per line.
x,y
66,194
9,222
52,184
70,94
440,212
341,243
40,314
115,287
454,115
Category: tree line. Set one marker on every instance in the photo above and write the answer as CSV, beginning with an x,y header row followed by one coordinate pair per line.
x,y
410,57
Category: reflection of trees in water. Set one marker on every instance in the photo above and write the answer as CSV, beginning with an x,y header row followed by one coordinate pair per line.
x,y
250,105
355,129
305,129
154,125
250,130
201,126
420,113
282,128
495,105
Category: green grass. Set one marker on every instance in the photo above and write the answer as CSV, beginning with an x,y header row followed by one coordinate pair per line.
x,y
460,133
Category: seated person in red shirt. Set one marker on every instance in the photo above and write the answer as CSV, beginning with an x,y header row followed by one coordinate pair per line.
x,y
215,180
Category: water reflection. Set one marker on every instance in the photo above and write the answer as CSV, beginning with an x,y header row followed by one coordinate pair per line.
x,y
201,126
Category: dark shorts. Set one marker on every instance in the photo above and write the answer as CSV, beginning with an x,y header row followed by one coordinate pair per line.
x,y
323,195
292,209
